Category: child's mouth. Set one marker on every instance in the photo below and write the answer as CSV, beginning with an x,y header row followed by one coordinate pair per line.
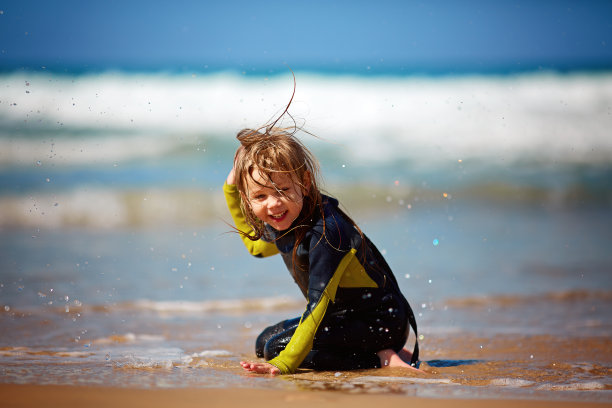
x,y
279,217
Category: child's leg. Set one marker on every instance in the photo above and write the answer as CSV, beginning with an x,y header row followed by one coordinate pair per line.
x,y
331,351
271,331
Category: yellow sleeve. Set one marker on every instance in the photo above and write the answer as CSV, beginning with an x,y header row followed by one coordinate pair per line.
x,y
258,248
301,342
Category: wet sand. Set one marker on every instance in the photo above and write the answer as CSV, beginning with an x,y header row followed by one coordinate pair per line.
x,y
14,396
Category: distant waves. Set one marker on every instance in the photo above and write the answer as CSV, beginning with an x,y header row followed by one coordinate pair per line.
x,y
117,117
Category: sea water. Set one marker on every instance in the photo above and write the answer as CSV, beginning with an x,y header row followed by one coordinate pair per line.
x,y
490,197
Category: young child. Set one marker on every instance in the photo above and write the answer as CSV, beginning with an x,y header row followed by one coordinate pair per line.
x,y
356,317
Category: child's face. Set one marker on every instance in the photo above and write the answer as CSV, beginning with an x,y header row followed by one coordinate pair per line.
x,y
269,205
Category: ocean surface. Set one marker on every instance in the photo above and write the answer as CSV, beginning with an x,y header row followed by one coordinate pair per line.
x,y
489,195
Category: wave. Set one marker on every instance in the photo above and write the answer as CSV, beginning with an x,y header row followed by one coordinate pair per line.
x,y
223,306
570,296
167,308
129,338
576,386
108,209
31,353
511,382
113,117
160,308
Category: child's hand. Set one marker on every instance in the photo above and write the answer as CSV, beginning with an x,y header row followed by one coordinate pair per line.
x,y
231,177
260,368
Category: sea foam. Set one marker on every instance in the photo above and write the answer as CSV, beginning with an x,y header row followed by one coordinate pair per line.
x,y
116,116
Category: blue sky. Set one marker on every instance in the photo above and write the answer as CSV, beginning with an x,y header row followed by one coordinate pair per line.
x,y
305,34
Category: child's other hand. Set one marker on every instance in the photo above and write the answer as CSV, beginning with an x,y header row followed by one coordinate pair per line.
x,y
260,368
231,178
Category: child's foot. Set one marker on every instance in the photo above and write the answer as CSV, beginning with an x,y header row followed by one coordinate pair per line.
x,y
389,358
405,355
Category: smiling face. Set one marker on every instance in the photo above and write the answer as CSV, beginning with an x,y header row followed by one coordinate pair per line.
x,y
276,201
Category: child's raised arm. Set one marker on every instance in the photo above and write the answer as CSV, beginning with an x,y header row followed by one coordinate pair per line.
x,y
259,248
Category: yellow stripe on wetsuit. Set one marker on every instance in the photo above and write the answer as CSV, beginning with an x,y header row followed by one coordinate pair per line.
x,y
256,248
349,273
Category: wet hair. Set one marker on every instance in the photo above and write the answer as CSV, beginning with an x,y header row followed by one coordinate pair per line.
x,y
273,151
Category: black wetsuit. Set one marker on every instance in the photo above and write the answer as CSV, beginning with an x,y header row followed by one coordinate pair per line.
x,y
355,307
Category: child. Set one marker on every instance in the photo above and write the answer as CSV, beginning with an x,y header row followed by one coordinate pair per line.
x,y
356,316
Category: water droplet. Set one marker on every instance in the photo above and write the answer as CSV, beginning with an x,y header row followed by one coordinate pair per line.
x,y
7,308
38,163
407,276
421,337
337,374
436,242
48,180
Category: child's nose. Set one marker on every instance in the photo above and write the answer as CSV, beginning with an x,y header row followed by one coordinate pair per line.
x,y
274,201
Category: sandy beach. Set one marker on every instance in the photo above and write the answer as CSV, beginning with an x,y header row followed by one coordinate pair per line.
x,y
14,396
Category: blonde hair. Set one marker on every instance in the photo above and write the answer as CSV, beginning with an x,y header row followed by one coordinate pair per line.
x,y
274,150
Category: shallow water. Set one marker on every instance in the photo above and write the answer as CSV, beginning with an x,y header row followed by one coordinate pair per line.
x,y
490,197
505,310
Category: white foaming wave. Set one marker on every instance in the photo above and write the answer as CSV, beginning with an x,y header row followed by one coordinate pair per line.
x,y
149,358
130,338
577,386
105,208
112,148
511,382
410,380
212,353
561,117
204,354
35,353
94,208
215,306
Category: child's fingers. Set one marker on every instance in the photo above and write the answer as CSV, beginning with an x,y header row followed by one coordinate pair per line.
x,y
260,368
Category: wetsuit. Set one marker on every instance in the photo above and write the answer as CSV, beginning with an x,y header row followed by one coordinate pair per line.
x,y
355,307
